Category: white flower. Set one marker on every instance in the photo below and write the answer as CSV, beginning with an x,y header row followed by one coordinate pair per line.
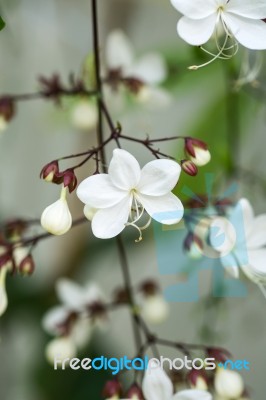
x,y
56,218
240,18
228,384
249,250
70,320
127,189
155,309
157,386
150,69
84,115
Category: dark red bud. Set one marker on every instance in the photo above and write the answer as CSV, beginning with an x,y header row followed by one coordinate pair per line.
x,y
50,171
190,239
112,388
97,310
70,180
220,355
7,108
189,167
149,287
135,391
194,375
191,143
27,266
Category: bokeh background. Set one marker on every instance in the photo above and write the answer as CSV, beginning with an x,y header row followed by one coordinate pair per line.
x,y
43,37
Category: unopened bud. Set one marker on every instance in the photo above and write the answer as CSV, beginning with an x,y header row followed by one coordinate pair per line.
x,y
135,393
84,116
228,384
197,151
220,355
149,288
7,111
155,309
56,218
112,388
50,171
60,348
189,167
198,379
27,266
69,179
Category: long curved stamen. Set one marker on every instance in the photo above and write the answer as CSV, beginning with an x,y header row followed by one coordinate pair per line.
x,y
139,210
222,49
249,73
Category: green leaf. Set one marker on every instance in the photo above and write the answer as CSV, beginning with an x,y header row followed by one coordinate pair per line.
x,y
2,23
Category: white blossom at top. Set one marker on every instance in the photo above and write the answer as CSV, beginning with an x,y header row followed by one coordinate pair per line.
x,y
240,18
128,190
158,386
150,69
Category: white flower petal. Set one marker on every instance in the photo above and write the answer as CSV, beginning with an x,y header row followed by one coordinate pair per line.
x,y
60,348
81,332
153,97
124,170
255,9
119,51
244,208
70,293
196,9
98,191
56,218
109,222
151,69
229,263
257,233
193,394
196,32
156,385
53,319
249,32
256,268
159,177
155,309
166,209
93,293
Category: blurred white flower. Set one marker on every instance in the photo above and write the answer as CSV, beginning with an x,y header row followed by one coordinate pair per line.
x,y
250,249
70,320
128,190
155,309
144,75
84,115
158,386
240,18
4,268
228,384
56,218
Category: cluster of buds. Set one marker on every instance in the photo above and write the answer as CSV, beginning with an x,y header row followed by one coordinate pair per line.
x,y
51,173
7,111
197,154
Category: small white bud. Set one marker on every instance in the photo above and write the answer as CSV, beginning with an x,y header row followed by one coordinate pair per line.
x,y
3,123
202,156
84,116
228,384
155,309
56,218
60,348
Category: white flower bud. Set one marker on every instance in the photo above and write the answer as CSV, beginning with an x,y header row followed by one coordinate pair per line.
x,y
60,348
3,123
3,295
89,212
202,156
84,116
155,309
56,218
228,384
19,254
